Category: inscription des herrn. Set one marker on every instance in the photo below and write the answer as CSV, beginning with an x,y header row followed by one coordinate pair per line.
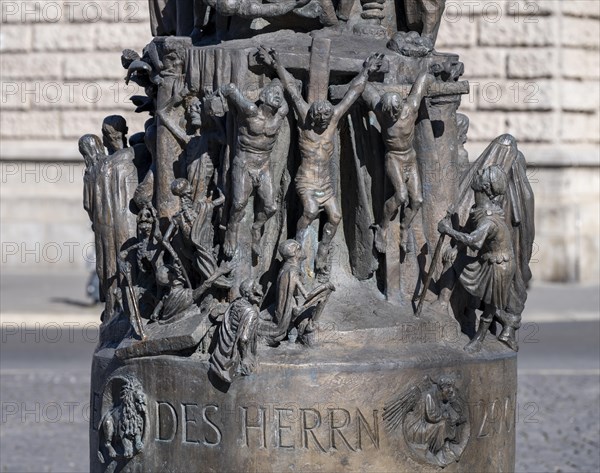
x,y
268,427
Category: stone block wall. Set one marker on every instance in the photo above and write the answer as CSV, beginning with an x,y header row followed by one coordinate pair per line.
x,y
60,74
61,66
534,68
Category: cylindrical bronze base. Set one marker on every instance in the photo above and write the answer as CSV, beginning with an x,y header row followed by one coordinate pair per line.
x,y
367,409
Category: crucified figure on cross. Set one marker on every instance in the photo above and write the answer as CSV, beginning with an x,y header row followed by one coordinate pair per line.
x,y
259,124
317,126
397,118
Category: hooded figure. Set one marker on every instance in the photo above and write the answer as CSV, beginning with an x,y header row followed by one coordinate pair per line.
x,y
492,276
289,285
109,187
235,352
489,275
517,206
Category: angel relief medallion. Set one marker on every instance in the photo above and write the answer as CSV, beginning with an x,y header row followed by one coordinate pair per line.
x,y
433,418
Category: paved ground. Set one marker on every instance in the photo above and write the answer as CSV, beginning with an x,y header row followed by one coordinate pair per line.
x,y
44,377
53,293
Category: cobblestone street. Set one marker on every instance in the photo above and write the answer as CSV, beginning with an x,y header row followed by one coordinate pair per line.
x,y
558,422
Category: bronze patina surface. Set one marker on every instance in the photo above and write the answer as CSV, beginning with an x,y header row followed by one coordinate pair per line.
x,y
299,264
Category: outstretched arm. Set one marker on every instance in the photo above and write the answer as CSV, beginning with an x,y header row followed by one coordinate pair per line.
x,y
207,284
125,253
157,310
234,96
299,287
473,240
419,90
271,58
255,9
358,84
371,96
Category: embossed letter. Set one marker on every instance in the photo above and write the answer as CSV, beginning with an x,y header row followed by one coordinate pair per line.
x,y
280,427
212,425
166,416
373,434
185,420
306,429
336,428
261,425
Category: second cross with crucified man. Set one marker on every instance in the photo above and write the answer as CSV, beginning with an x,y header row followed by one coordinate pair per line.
x,y
317,126
397,118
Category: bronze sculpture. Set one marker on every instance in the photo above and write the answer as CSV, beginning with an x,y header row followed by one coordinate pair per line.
x,y
257,132
488,277
262,244
432,415
288,312
397,118
317,125
200,147
124,424
236,343
148,258
514,209
116,177
114,133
